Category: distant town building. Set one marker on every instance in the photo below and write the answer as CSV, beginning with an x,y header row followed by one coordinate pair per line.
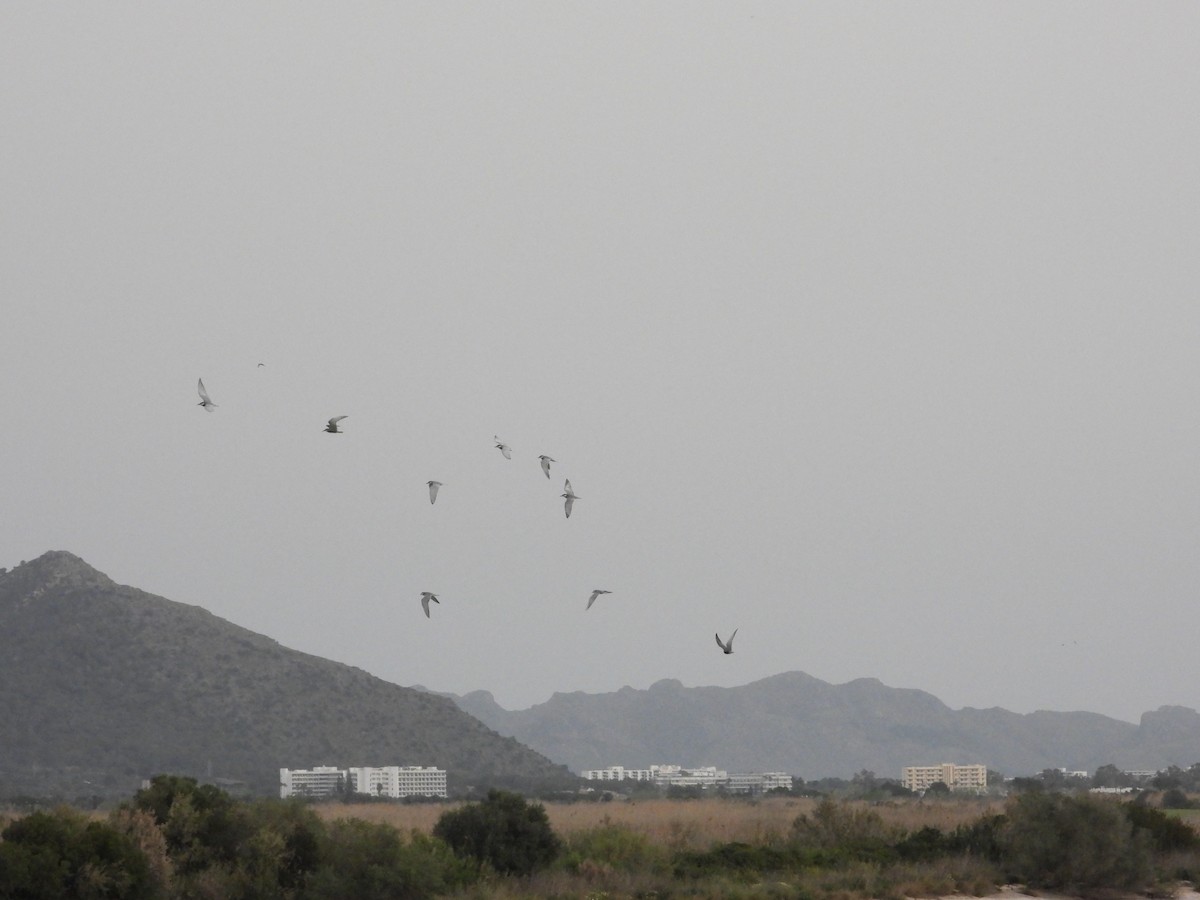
x,y
382,781
957,778
399,781
694,776
321,781
753,783
617,773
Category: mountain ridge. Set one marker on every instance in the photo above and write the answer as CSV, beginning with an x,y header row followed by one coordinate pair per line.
x,y
795,722
115,684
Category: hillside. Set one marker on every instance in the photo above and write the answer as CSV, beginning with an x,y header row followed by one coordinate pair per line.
x,y
799,724
102,685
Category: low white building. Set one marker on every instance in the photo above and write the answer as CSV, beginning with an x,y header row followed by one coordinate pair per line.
x,y
758,782
617,773
381,781
398,781
320,781
957,778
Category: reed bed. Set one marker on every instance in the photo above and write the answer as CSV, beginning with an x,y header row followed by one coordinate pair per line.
x,y
686,824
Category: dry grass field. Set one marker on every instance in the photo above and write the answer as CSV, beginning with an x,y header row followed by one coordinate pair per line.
x,y
685,824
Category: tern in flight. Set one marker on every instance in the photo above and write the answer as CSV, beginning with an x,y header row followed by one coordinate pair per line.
x,y
433,488
503,447
332,426
425,598
569,494
596,593
204,401
546,460
727,646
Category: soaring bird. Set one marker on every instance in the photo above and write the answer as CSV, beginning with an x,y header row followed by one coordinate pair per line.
x,y
204,401
546,460
596,593
332,426
502,447
727,646
433,488
569,494
425,598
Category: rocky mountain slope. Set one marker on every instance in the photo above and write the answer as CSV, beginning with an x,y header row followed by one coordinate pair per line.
x,y
102,685
799,724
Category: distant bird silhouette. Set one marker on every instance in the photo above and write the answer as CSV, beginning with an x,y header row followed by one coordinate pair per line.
x,y
332,426
546,460
503,447
204,401
433,489
425,598
570,496
596,593
727,646
260,365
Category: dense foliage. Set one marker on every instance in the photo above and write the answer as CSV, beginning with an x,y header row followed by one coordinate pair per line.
x,y
510,835
180,839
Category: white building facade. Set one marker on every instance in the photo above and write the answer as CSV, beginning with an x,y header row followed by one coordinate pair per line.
x,y
957,778
320,781
376,781
398,781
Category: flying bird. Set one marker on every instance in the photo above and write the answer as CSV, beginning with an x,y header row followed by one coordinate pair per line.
x,y
433,489
332,426
727,646
569,494
502,447
204,401
596,593
546,460
260,365
425,598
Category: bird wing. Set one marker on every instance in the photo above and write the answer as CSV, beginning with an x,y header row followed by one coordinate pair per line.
x,y
731,637
567,506
719,644
336,419
546,465
568,488
506,450
203,392
433,489
592,600
425,604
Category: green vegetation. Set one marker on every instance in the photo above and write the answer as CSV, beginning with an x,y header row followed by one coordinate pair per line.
x,y
179,839
504,832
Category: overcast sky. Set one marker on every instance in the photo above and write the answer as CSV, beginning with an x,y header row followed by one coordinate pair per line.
x,y
870,330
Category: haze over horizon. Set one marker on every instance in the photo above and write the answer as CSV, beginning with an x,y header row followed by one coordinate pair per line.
x,y
869,331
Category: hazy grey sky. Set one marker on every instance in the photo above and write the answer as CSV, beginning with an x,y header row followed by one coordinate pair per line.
x,y
868,329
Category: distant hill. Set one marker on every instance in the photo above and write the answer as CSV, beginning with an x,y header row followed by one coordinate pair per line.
x,y
799,724
102,685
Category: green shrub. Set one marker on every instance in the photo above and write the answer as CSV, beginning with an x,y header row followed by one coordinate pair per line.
x,y
844,830
367,861
1073,843
614,846
1166,834
56,855
510,835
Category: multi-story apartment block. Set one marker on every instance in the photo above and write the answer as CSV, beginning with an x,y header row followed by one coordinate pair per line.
x,y
754,783
385,781
399,781
617,773
321,781
703,776
957,778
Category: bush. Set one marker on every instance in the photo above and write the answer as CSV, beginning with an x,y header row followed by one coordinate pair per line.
x,y
1073,843
370,862
854,831
1166,834
614,846
62,855
510,835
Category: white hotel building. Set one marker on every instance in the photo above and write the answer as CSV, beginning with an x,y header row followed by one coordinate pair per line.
x,y
957,778
702,776
382,781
